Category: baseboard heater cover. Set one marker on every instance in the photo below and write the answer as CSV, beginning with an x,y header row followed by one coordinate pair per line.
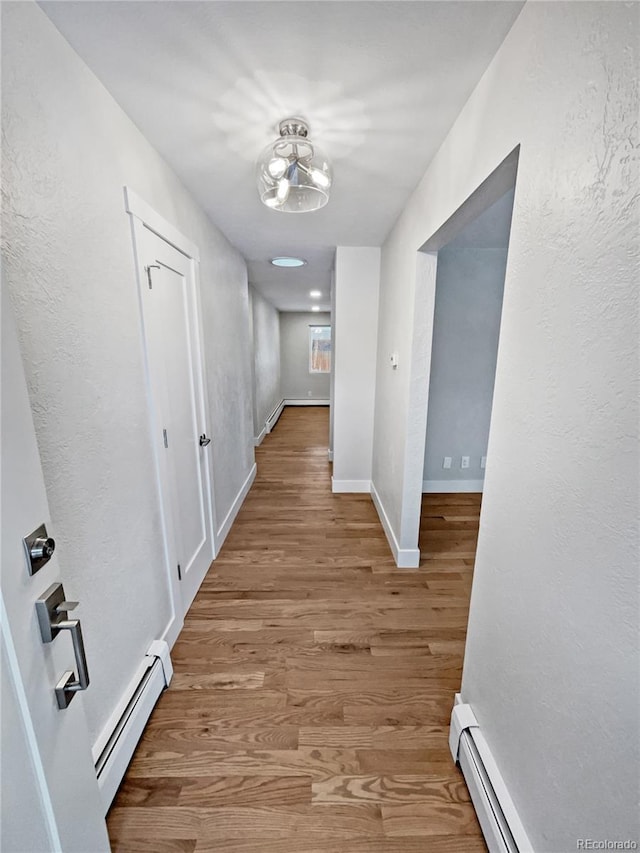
x,y
115,756
497,815
272,420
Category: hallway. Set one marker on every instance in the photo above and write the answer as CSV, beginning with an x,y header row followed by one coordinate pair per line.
x,y
313,680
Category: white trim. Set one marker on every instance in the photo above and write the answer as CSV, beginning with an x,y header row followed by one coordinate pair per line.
x,y
406,558
31,737
272,420
172,631
235,506
330,455
497,814
452,486
309,401
352,486
257,440
139,208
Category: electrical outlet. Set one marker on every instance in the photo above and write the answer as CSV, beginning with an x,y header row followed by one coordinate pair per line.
x,y
483,462
308,393
446,462
465,462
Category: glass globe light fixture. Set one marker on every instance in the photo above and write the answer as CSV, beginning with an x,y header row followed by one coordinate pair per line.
x,y
294,175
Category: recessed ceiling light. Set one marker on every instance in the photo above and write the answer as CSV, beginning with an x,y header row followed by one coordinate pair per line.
x,y
288,262
315,307
315,294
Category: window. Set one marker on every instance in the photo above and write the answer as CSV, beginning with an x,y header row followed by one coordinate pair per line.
x,y
319,349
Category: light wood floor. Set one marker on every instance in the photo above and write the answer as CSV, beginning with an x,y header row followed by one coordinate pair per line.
x,y
313,680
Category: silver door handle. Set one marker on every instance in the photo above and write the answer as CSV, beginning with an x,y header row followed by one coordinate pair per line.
x,y
69,684
204,440
52,617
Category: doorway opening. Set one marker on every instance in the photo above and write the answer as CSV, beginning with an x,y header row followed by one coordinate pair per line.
x,y
470,276
494,201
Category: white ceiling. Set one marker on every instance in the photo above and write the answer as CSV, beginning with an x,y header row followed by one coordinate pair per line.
x,y
380,84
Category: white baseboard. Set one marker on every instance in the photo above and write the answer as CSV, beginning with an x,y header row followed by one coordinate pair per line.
x,y
497,815
406,558
452,486
272,420
330,455
225,527
307,402
352,486
172,631
257,440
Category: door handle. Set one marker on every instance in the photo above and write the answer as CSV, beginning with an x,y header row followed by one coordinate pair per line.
x,y
204,440
52,610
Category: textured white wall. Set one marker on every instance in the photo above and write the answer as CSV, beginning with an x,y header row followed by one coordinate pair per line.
x,y
265,325
295,380
552,654
357,280
466,327
68,150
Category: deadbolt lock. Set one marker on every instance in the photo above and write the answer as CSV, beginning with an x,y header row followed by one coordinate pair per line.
x,y
39,547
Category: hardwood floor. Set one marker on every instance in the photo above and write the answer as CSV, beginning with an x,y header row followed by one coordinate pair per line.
x,y
313,680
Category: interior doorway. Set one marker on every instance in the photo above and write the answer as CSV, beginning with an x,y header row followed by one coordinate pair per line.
x,y
499,183
467,313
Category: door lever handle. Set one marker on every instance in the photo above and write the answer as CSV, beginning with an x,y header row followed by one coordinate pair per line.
x,y
69,684
52,609
204,440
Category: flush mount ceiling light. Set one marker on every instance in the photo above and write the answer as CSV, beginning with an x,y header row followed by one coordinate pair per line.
x,y
315,294
287,262
294,175
315,307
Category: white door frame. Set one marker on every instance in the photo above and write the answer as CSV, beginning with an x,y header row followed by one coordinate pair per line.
x,y
143,216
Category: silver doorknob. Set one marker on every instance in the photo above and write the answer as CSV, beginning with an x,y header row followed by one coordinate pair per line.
x,y
204,440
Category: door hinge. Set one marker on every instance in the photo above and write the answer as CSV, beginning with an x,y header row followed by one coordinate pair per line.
x,y
165,438
148,271
179,572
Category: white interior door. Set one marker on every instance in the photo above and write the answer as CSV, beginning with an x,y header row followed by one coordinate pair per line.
x,y
172,337
51,800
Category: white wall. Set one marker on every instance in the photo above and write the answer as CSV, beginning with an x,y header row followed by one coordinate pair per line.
x,y
296,383
357,280
466,327
68,150
552,651
265,334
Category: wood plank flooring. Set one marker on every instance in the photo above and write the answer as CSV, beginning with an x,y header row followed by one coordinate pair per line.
x,y
313,680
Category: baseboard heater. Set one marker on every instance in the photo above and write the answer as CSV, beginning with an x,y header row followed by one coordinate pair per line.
x,y
130,718
272,420
501,826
